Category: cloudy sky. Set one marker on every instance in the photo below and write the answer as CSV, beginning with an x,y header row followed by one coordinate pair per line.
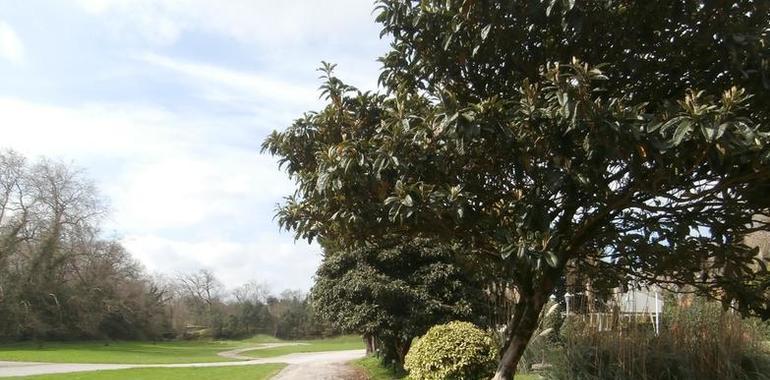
x,y
165,104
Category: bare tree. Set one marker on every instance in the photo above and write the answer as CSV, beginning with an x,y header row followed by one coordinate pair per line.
x,y
58,276
204,291
253,292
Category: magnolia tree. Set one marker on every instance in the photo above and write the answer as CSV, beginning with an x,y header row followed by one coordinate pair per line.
x,y
628,139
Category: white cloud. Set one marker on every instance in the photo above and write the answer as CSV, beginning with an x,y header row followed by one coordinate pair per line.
x,y
271,23
279,262
174,171
187,184
77,132
11,47
288,38
168,172
228,86
182,189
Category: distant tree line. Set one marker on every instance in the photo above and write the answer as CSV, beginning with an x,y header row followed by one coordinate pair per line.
x,y
197,305
60,278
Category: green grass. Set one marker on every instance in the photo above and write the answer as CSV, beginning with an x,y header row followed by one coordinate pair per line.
x,y
345,342
250,372
375,370
118,352
161,352
261,338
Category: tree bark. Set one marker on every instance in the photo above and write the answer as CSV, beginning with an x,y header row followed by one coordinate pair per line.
x,y
402,347
369,342
518,334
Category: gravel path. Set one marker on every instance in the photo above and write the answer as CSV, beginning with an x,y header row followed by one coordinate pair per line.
x,y
330,364
320,371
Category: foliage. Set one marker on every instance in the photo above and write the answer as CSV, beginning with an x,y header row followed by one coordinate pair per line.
x,y
250,372
456,350
58,277
376,369
645,158
395,293
699,342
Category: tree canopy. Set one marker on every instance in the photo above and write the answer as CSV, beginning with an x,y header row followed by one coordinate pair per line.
x,y
628,139
395,293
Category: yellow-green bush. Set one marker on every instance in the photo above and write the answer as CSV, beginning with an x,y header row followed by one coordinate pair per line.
x,y
456,351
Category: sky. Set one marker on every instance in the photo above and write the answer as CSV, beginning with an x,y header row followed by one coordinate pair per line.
x,y
165,103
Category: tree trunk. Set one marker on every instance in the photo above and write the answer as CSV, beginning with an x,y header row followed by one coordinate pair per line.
x,y
402,348
369,341
518,333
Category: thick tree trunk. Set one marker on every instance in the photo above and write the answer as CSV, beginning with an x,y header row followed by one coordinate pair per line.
x,y
369,342
402,348
518,333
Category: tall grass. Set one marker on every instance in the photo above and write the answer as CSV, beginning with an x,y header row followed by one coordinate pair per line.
x,y
699,342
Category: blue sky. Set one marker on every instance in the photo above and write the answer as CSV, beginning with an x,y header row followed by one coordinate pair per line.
x,y
165,105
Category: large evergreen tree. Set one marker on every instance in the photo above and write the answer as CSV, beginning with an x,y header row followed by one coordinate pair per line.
x,y
629,139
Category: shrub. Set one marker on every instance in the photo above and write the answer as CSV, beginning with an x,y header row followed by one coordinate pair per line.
x,y
700,342
456,350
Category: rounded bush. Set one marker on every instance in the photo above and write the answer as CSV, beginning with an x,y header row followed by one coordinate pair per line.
x,y
456,351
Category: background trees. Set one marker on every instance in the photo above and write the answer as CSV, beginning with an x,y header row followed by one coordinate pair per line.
x,y
60,278
642,160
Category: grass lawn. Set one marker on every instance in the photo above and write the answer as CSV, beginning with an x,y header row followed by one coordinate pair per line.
x,y
250,372
345,342
375,371
158,353
118,352
261,338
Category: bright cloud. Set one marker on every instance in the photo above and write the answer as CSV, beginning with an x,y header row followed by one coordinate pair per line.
x,y
283,265
11,47
166,172
227,85
166,104
273,23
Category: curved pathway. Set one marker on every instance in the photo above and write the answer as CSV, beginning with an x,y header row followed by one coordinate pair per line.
x,y
236,354
329,363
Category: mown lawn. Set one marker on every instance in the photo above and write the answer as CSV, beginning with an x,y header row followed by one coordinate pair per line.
x,y
345,342
118,352
250,372
261,338
200,351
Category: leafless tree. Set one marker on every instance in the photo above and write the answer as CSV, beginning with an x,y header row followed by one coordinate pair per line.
x,y
252,291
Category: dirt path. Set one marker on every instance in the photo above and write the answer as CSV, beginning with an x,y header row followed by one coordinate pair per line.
x,y
331,363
